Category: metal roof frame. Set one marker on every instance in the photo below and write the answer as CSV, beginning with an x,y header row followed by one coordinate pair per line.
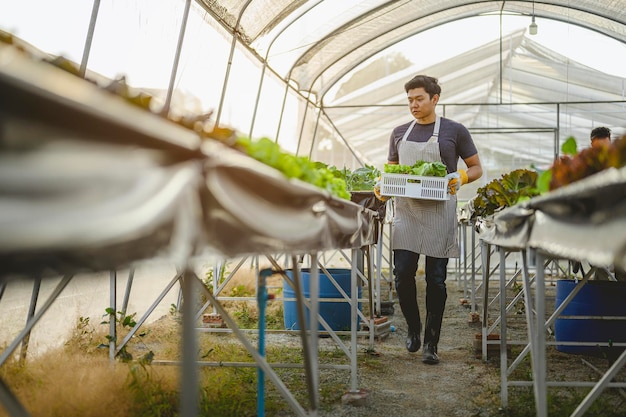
x,y
342,42
385,23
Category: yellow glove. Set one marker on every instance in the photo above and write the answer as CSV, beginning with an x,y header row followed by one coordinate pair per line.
x,y
456,179
377,190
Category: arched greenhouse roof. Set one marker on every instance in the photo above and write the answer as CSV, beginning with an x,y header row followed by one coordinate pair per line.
x,y
520,98
342,34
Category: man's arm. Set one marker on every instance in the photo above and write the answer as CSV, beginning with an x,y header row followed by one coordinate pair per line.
x,y
474,168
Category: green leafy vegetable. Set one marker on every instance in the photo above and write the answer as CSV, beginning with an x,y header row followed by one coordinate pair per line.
x,y
421,168
506,191
543,181
361,179
569,147
318,174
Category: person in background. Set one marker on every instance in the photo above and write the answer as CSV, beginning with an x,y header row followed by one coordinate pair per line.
x,y
600,136
427,227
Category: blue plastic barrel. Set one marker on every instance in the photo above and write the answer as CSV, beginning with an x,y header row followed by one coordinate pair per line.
x,y
596,298
336,314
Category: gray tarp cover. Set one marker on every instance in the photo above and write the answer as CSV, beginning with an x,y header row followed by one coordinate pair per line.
x,y
583,221
90,182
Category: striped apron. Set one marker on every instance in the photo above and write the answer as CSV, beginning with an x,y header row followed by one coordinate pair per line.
x,y
426,227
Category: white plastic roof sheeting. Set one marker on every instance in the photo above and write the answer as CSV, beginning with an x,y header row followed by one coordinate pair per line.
x,y
339,35
519,97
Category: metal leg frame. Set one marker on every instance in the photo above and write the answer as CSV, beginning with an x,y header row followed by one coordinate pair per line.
x,y
383,246
485,260
462,270
537,328
31,312
148,312
486,272
259,360
7,398
536,334
10,402
190,283
360,276
190,395
309,337
473,276
501,295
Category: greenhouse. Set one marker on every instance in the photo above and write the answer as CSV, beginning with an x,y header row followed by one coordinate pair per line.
x,y
177,143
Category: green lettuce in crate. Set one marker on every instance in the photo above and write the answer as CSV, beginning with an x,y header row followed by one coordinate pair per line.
x,y
508,190
420,168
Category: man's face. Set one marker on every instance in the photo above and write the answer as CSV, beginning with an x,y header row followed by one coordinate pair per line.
x,y
600,141
420,104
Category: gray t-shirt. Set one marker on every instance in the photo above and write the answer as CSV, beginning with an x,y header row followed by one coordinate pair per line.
x,y
454,141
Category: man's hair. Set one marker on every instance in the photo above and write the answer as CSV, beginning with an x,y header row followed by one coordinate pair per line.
x,y
601,132
429,84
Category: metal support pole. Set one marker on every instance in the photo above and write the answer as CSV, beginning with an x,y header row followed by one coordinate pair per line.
x,y
464,257
485,250
129,285
3,287
314,290
112,314
539,385
541,396
89,40
503,357
189,394
230,61
354,320
181,36
31,312
473,279
391,277
262,297
370,298
306,343
11,404
379,264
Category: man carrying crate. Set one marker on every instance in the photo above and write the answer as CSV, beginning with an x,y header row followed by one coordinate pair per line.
x,y
427,227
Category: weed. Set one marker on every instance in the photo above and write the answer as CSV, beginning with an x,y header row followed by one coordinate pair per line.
x,y
240,291
245,318
209,280
83,335
152,396
173,310
124,323
562,403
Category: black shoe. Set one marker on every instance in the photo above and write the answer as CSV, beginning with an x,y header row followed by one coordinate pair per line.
x,y
413,342
430,354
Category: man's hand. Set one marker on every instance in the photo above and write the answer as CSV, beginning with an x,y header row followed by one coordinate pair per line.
x,y
377,190
455,180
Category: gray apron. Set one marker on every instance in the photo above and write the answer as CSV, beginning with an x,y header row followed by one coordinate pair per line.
x,y
427,227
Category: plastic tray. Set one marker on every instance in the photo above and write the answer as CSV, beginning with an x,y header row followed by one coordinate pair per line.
x,y
413,186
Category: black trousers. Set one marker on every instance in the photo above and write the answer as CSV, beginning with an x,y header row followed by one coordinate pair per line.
x,y
405,268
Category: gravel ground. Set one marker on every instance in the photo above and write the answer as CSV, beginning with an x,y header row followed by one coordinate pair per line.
x,y
461,385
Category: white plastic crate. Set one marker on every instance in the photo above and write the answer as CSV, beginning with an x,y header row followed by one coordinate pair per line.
x,y
413,186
